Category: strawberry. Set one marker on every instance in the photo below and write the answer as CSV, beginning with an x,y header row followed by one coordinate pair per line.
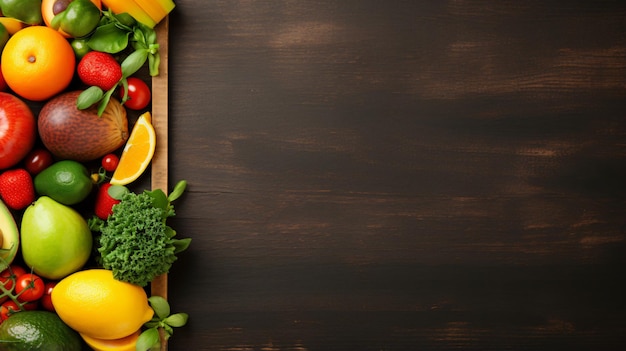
x,y
16,188
99,69
104,202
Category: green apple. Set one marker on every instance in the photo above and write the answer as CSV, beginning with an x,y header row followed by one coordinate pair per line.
x,y
56,240
9,237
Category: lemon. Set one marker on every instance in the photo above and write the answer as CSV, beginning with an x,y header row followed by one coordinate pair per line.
x,y
37,330
95,304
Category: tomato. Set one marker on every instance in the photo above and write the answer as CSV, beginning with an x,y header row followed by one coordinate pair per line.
x,y
29,287
46,299
37,160
16,270
10,274
138,94
7,309
110,162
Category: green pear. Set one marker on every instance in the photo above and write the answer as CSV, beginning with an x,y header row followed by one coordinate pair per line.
x,y
56,240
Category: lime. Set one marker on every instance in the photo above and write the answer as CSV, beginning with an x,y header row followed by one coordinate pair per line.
x,y
37,330
80,47
67,182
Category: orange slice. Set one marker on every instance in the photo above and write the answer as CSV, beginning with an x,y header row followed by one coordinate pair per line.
x,y
137,153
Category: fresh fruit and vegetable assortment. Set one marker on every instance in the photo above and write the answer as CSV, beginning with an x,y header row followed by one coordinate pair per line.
x,y
80,242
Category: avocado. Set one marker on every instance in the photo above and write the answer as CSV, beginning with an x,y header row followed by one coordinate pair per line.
x,y
9,237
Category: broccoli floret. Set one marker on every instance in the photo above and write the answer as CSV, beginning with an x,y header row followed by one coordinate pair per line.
x,y
135,243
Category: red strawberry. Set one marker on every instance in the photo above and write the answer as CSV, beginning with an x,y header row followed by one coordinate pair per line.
x,y
16,188
99,69
104,202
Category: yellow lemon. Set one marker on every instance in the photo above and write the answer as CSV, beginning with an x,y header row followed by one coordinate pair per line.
x,y
97,305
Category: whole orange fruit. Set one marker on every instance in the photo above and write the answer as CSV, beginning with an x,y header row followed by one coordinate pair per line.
x,y
38,63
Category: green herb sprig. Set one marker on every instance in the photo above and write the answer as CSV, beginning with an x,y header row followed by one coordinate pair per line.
x,y
150,337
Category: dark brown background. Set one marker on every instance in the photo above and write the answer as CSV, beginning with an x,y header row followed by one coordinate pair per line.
x,y
399,175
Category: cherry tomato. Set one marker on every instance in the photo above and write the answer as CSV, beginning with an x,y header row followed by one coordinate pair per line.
x,y
138,94
16,270
110,162
29,287
46,299
37,160
7,309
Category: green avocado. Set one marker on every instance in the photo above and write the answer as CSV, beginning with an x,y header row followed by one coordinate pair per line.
x,y
67,182
37,330
9,237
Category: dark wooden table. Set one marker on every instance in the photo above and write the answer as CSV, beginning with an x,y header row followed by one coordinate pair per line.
x,y
399,175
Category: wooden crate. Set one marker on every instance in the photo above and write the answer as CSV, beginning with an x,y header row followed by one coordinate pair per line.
x,y
159,168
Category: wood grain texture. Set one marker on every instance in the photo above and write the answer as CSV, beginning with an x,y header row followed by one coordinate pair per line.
x,y
160,161
399,175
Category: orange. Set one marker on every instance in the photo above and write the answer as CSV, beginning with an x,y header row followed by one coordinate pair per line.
x,y
38,63
48,14
127,343
137,152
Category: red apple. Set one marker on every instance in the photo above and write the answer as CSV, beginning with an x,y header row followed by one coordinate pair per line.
x,y
17,130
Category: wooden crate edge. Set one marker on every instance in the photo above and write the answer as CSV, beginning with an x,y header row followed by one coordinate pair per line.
x,y
160,108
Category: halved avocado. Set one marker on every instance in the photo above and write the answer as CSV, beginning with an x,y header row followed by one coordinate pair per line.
x,y
9,237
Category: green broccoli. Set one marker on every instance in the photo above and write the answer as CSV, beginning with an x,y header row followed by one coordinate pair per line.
x,y
135,243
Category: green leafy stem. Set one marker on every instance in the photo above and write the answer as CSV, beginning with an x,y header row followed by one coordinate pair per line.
x,y
150,338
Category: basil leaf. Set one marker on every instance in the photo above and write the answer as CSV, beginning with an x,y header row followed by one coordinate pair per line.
x,y
125,86
133,62
147,339
179,189
149,34
154,60
89,97
105,101
117,192
160,306
177,320
108,38
181,245
125,20
139,38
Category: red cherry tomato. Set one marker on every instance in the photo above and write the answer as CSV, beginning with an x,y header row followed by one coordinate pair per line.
x,y
138,94
16,270
46,299
37,160
29,287
110,162
7,309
